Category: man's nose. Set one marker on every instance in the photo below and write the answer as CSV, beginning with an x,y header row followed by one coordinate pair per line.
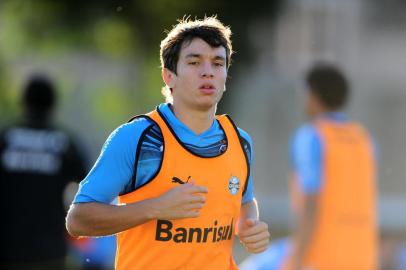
x,y
207,70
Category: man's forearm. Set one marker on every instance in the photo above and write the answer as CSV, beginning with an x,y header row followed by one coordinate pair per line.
x,y
98,219
304,230
252,232
248,210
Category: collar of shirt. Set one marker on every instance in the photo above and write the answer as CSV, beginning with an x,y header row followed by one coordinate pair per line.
x,y
337,116
185,134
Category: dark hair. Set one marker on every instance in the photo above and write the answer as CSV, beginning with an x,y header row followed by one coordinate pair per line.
x,y
329,85
39,95
210,29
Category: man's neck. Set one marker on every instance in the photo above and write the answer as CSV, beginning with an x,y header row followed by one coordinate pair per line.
x,y
197,120
36,120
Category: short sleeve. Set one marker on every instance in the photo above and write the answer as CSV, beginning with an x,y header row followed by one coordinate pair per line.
x,y
306,158
248,148
114,168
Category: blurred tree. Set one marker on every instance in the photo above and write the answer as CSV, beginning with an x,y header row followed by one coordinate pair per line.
x,y
122,28
146,19
6,109
3,103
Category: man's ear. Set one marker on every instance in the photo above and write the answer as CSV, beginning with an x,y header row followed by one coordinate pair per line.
x,y
168,77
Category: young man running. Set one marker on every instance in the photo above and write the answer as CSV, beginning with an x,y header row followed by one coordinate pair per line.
x,y
182,174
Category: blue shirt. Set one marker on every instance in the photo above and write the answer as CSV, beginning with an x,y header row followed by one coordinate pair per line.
x,y
306,154
118,171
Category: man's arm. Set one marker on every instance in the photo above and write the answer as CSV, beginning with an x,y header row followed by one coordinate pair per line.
x,y
306,157
306,220
253,233
95,192
98,219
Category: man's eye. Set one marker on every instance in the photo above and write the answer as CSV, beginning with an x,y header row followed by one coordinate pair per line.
x,y
217,64
193,63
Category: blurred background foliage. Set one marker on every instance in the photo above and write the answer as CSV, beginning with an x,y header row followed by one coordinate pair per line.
x,y
106,33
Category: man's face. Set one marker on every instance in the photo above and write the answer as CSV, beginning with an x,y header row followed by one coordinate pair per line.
x,y
201,75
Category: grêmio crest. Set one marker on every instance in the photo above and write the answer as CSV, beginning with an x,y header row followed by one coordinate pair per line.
x,y
233,185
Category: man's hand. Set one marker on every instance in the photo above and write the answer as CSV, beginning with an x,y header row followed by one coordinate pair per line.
x,y
183,201
254,235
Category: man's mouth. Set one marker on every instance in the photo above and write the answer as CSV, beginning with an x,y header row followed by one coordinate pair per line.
x,y
207,88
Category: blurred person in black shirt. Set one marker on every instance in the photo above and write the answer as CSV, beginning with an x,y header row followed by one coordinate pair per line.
x,y
37,162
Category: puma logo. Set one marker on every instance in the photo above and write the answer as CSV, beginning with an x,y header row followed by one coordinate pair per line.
x,y
179,181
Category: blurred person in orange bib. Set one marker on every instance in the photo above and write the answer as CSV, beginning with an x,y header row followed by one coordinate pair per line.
x,y
332,187
181,173
333,182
